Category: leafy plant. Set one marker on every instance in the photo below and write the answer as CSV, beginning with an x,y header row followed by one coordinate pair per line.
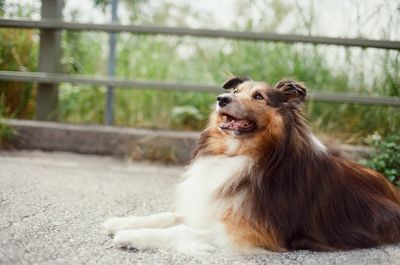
x,y
387,157
187,116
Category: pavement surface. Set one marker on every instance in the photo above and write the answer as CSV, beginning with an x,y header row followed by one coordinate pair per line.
x,y
52,205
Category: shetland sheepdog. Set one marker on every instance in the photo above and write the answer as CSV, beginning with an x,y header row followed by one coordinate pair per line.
x,y
260,180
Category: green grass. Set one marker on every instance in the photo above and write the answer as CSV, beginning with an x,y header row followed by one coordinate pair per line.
x,y
6,135
6,132
352,123
18,53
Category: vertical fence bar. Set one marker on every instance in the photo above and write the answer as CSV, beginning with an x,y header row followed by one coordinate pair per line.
x,y
109,112
49,61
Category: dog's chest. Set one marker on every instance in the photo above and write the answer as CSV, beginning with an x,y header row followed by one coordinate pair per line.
x,y
196,194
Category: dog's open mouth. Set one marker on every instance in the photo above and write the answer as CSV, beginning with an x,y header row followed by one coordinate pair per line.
x,y
240,125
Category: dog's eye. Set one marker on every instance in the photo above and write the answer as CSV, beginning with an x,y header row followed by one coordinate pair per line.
x,y
258,96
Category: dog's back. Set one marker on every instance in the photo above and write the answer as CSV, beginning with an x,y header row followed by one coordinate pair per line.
x,y
355,208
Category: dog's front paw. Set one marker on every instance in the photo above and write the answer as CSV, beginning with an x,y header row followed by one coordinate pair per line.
x,y
131,239
112,225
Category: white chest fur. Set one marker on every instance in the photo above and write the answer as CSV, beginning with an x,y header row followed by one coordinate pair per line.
x,y
196,193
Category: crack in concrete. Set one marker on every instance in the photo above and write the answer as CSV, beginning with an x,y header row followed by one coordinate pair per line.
x,y
103,242
21,219
7,226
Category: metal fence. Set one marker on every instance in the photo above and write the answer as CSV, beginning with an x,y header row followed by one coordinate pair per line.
x,y
48,76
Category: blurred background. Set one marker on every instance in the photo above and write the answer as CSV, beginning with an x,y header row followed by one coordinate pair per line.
x,y
327,68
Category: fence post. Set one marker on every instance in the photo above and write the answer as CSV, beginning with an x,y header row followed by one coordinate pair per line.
x,y
49,60
109,111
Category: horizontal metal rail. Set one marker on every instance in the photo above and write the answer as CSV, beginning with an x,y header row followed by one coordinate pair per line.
x,y
37,77
209,33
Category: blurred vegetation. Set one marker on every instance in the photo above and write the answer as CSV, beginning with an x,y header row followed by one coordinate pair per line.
x,y
202,60
18,52
6,132
386,159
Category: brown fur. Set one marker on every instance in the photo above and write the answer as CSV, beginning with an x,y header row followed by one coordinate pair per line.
x,y
247,233
298,197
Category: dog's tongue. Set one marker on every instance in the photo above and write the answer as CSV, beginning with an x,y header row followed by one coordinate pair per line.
x,y
235,124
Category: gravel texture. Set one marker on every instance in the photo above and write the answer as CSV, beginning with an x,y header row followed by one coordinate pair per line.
x,y
52,204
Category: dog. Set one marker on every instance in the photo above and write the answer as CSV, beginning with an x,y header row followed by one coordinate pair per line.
x,y
261,181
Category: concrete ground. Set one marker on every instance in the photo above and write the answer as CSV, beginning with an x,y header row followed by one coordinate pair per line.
x,y
51,205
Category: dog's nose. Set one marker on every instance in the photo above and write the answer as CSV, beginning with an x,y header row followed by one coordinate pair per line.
x,y
224,100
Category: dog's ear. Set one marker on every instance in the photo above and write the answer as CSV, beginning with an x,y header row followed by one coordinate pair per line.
x,y
291,90
234,82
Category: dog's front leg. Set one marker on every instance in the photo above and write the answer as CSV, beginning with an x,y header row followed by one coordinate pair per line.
x,y
181,238
160,220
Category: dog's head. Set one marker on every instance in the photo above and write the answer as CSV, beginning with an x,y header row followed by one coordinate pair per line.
x,y
252,108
